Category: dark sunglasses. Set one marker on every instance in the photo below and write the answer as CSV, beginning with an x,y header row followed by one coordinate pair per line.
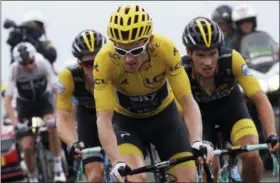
x,y
88,63
134,52
27,62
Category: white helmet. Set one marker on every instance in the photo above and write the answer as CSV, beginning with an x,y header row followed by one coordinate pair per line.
x,y
33,15
23,49
242,12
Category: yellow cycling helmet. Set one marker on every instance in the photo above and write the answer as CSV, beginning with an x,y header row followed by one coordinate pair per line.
x,y
128,24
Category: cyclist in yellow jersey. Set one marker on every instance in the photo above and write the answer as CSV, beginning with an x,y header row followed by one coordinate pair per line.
x,y
76,81
138,74
215,72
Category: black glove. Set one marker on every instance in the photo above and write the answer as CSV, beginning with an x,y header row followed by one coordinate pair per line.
x,y
76,149
272,140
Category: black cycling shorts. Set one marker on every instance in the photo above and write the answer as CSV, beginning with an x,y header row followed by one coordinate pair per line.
x,y
87,132
226,113
28,109
166,131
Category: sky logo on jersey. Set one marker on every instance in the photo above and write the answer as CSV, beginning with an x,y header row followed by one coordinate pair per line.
x,y
246,70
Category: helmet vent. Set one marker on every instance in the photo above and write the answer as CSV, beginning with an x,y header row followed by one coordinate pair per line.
x,y
141,30
126,10
121,22
111,30
117,33
125,35
134,33
136,19
137,8
129,21
116,19
148,28
119,9
143,17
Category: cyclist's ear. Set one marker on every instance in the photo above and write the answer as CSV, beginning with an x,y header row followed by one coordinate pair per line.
x,y
189,51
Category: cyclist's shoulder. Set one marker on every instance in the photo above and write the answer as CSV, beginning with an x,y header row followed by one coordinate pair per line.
x,y
106,52
106,58
161,43
225,52
65,80
65,73
163,50
41,61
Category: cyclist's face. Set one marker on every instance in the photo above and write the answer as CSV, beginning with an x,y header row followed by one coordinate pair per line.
x,y
136,57
28,64
205,61
224,27
246,27
87,65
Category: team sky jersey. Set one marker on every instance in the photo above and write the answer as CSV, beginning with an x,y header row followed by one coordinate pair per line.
x,y
72,84
232,70
31,85
146,92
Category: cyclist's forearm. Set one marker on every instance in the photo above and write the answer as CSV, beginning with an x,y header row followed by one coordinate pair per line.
x,y
108,140
266,116
192,118
9,109
66,128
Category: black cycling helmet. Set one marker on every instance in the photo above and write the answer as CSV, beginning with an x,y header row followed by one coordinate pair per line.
x,y
87,42
222,14
202,33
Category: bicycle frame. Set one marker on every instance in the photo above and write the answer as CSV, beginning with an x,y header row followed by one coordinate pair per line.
x,y
41,159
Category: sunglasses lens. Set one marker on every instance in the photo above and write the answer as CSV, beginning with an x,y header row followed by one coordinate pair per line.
x,y
120,52
137,51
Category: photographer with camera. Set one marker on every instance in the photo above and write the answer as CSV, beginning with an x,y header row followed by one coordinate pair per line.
x,y
32,30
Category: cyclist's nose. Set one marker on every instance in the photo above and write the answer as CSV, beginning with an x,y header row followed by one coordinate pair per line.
x,y
207,61
129,58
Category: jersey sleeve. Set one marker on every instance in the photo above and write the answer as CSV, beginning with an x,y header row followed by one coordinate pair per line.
x,y
177,77
104,91
11,85
65,85
242,73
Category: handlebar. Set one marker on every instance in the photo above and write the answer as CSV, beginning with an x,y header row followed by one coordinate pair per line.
x,y
165,165
159,166
247,148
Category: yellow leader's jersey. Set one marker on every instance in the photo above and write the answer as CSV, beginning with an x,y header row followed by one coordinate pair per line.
x,y
146,92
